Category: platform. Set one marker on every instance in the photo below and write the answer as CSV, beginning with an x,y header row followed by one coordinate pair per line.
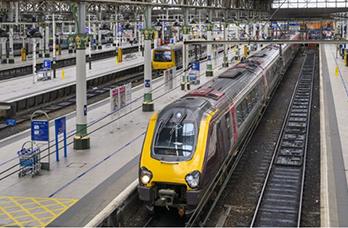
x,y
108,167
65,55
13,89
334,138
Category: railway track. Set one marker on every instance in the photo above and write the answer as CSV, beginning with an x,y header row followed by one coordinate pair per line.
x,y
280,200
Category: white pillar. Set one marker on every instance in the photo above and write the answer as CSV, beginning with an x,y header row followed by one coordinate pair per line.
x,y
185,84
41,43
3,50
148,105
54,37
94,35
16,12
11,56
47,39
34,60
99,37
81,139
90,44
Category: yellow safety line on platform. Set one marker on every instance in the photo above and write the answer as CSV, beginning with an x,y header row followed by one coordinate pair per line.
x,y
60,205
26,211
18,223
44,207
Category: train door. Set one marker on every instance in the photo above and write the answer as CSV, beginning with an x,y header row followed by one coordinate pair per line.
x,y
212,163
224,136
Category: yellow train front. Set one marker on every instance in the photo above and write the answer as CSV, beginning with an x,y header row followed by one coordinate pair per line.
x,y
173,156
166,57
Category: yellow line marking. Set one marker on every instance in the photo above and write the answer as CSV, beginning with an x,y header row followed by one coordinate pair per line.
x,y
26,211
60,203
18,223
44,207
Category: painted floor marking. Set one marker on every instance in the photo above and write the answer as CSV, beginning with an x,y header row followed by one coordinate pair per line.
x,y
31,211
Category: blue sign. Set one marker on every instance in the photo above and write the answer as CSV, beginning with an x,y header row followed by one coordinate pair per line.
x,y
147,83
196,66
10,122
60,128
39,130
47,64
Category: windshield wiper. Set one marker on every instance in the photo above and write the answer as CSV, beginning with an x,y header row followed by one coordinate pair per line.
x,y
164,123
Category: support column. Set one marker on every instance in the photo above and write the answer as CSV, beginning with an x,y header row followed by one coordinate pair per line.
x,y
116,28
209,72
33,40
185,84
94,36
70,43
81,139
148,105
54,46
225,63
90,43
100,46
3,50
47,40
41,43
11,56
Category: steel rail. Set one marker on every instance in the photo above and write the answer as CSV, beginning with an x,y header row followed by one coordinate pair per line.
x,y
289,159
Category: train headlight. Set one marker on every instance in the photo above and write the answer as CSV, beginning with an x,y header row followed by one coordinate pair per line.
x,y
145,175
192,179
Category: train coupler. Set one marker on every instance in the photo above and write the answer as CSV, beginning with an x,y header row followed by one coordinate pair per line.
x,y
166,197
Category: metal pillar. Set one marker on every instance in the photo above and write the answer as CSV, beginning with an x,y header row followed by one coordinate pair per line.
x,y
185,84
94,36
100,46
54,47
225,63
90,43
16,12
81,139
47,40
116,28
148,105
3,50
41,44
209,72
34,60
11,56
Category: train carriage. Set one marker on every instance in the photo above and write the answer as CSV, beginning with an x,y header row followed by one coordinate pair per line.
x,y
190,139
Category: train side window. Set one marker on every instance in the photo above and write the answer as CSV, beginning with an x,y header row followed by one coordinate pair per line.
x,y
212,143
229,127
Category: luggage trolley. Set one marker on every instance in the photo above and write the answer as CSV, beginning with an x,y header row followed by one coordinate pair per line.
x,y
29,160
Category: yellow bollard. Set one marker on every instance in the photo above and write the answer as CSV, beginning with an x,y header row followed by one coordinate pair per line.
x,y
119,55
337,71
63,74
245,51
23,54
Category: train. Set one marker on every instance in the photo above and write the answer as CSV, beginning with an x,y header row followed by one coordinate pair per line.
x,y
169,56
190,140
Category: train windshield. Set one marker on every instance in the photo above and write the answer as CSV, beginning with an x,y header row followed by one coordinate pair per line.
x,y
163,56
175,137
